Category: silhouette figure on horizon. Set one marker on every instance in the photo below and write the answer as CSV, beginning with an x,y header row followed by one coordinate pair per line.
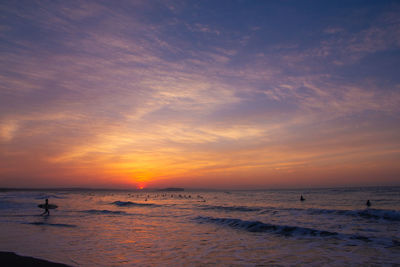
x,y
302,198
46,207
368,203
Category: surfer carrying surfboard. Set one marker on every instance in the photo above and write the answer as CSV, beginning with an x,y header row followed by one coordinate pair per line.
x,y
46,208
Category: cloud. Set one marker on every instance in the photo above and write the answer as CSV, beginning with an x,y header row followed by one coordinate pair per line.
x,y
7,130
97,90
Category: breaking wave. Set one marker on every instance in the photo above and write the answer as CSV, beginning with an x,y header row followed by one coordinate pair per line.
x,y
257,226
294,231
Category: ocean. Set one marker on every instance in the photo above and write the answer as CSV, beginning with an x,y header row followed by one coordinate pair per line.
x,y
332,227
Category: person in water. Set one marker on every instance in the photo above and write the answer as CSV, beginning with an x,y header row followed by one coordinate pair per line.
x,y
368,203
302,198
46,208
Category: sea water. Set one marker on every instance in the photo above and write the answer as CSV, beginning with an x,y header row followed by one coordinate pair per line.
x,y
196,228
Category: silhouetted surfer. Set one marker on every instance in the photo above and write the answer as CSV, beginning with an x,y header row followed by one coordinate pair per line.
x,y
368,203
46,208
302,198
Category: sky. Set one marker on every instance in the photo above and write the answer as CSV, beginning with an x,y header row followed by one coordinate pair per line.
x,y
199,94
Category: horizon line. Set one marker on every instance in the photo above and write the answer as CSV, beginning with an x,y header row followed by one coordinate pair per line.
x,y
2,189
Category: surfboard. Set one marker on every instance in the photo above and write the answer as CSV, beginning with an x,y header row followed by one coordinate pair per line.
x,y
49,206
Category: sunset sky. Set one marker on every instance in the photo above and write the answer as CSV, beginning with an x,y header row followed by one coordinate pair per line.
x,y
199,94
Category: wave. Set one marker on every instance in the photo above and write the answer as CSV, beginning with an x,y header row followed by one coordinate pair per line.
x,y
130,204
377,214
228,208
104,212
390,215
257,226
293,231
52,224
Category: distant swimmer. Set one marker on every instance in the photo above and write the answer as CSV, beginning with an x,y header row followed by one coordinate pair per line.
x,y
368,203
302,198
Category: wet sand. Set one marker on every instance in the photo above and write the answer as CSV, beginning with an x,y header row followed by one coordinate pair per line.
x,y
12,259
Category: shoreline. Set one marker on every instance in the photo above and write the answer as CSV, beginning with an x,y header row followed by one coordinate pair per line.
x,y
12,259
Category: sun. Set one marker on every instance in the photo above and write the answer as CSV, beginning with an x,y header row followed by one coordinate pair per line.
x,y
140,186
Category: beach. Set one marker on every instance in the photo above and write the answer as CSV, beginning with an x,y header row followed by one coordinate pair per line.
x,y
12,259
